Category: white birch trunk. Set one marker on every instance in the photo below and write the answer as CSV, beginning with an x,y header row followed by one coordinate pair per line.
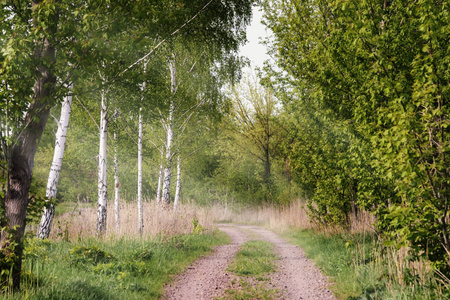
x,y
169,141
167,169
160,178
178,188
116,184
139,195
55,169
102,176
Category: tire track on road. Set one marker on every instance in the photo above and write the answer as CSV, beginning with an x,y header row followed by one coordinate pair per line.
x,y
208,278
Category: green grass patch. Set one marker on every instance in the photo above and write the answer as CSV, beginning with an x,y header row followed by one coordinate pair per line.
x,y
95,269
254,259
362,269
254,262
244,290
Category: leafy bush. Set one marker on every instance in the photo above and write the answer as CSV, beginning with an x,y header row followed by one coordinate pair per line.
x,y
88,255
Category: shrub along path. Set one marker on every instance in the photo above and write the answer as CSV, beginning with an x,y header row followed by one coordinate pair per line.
x,y
296,277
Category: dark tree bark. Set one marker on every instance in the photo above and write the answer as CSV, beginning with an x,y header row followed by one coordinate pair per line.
x,y
20,164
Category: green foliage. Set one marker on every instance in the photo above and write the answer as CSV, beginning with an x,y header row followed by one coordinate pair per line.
x,y
378,73
362,268
88,255
197,228
37,202
415,228
8,259
122,269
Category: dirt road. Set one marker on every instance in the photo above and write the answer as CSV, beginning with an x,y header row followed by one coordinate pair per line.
x,y
296,277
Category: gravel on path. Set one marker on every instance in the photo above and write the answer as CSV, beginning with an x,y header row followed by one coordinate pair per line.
x,y
208,278
296,276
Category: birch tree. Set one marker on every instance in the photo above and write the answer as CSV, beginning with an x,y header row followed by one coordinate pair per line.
x,y
160,178
55,169
102,167
168,127
32,72
178,187
139,192
116,181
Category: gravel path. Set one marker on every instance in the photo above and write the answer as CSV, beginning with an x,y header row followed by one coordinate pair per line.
x,y
207,278
296,276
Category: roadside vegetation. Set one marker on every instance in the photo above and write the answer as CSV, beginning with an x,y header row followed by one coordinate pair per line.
x,y
112,267
359,265
361,268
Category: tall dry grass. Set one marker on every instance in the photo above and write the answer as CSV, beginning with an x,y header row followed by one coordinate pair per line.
x,y
271,216
391,264
81,222
401,276
287,217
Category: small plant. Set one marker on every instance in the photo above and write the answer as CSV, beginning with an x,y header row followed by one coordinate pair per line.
x,y
197,228
89,255
143,254
8,259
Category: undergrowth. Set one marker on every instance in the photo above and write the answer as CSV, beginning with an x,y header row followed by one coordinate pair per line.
x,y
114,269
361,268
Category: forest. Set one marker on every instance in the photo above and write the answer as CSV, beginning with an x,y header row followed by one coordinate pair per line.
x,y
109,107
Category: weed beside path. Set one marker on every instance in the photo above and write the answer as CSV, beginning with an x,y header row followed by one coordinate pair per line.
x,y
120,269
362,269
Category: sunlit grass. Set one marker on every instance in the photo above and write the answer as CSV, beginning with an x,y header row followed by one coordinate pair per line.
x,y
256,258
109,269
253,263
361,268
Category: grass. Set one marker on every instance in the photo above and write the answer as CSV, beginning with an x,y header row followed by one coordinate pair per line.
x,y
108,269
245,290
357,263
254,259
362,269
74,221
253,263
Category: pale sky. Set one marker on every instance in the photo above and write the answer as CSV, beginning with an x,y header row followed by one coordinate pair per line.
x,y
256,33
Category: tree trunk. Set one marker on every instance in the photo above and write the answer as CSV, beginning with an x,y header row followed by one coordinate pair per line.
x,y
167,169
169,141
160,179
116,183
178,188
102,175
139,193
53,178
267,164
20,163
